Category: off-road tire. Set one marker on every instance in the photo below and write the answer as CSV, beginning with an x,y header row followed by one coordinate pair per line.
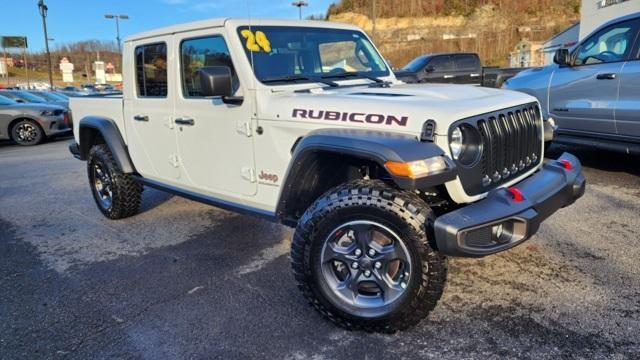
x,y
407,214
38,133
126,191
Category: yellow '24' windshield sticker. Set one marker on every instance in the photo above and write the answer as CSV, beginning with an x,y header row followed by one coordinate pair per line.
x,y
257,41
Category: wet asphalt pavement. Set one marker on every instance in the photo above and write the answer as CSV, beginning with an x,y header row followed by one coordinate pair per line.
x,y
184,280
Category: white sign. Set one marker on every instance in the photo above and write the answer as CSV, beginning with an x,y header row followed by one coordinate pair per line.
x,y
100,73
3,68
67,70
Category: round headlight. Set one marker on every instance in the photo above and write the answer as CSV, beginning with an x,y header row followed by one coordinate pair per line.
x,y
456,144
466,144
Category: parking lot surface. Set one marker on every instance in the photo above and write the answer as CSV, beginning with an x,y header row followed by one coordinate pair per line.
x,y
184,280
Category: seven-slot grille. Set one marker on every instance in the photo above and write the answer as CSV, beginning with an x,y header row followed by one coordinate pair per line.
x,y
511,144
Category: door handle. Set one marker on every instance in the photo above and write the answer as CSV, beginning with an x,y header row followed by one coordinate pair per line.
x,y
449,76
609,76
474,75
185,121
141,118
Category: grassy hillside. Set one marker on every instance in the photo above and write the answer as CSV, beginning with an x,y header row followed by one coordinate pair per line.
x,y
407,28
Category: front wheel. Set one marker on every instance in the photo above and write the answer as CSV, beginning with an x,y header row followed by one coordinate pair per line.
x,y
362,257
27,132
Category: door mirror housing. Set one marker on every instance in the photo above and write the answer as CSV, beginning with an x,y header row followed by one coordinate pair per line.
x,y
429,69
215,81
562,57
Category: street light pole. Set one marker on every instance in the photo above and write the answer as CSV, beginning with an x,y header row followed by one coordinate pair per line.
x,y
299,5
117,18
43,12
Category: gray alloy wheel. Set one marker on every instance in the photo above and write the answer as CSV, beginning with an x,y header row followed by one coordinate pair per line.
x,y
366,265
102,186
26,132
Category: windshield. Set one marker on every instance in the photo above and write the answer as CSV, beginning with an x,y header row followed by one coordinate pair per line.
x,y
287,53
416,64
6,101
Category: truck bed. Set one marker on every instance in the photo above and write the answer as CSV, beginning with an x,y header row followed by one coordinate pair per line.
x,y
110,107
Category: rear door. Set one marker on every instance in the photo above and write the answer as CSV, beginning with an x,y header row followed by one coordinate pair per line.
x,y
440,69
627,112
468,69
582,97
148,110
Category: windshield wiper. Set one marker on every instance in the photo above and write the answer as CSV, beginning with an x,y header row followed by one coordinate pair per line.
x,y
298,78
352,74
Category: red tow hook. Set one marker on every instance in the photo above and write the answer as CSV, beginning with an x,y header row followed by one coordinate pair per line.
x,y
516,194
566,164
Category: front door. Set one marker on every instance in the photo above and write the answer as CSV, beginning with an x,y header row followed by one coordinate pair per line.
x,y
215,140
440,69
582,96
628,105
148,110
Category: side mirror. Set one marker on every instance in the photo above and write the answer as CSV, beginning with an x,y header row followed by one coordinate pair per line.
x,y
217,81
562,57
430,69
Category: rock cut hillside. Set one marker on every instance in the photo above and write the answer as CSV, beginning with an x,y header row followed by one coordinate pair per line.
x,y
407,28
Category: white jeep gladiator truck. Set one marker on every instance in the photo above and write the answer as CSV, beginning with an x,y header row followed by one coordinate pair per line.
x,y
304,123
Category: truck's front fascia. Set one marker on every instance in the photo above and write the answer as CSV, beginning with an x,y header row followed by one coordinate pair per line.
x,y
509,216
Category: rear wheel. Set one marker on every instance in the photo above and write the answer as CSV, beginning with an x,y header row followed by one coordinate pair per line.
x,y
117,195
361,256
27,132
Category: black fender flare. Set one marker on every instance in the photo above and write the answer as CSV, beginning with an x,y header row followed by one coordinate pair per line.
x,y
112,137
371,145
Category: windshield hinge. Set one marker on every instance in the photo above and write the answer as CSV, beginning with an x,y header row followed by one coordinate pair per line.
x,y
174,160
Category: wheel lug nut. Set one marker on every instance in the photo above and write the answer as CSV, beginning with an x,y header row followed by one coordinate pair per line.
x,y
403,285
367,273
378,265
354,265
372,252
358,252
406,274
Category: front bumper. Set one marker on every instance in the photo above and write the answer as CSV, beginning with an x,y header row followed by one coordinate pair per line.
x,y
498,222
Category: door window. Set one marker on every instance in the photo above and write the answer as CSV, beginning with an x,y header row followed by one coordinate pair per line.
x,y
611,44
466,62
151,70
199,52
441,63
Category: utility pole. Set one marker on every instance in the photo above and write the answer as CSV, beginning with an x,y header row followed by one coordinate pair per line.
x,y
373,18
118,18
299,5
43,12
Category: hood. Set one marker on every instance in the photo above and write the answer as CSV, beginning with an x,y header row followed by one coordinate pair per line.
x,y
36,107
399,108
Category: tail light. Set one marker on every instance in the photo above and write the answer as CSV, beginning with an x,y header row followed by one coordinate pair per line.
x,y
66,118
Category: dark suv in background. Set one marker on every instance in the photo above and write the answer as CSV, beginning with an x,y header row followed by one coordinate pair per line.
x,y
454,68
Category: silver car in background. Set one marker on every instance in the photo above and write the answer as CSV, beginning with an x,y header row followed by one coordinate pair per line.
x,y
592,93
30,123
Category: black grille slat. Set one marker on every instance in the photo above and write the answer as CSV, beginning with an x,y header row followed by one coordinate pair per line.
x,y
509,138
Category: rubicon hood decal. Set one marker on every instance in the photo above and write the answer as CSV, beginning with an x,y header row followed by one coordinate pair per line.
x,y
356,117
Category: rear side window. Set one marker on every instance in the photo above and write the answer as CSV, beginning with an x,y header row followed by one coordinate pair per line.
x,y
151,70
466,62
199,52
441,63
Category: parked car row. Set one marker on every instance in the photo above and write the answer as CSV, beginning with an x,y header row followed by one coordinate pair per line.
x,y
29,117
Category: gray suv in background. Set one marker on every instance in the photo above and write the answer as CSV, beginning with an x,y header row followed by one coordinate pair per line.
x,y
30,123
592,92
